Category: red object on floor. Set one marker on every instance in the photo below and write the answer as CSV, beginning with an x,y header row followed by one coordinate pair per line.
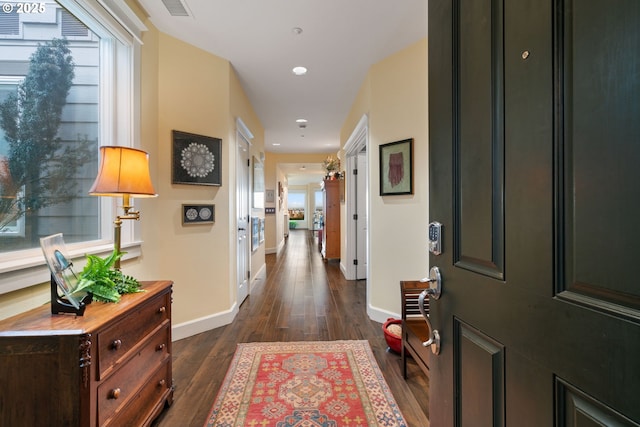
x,y
393,341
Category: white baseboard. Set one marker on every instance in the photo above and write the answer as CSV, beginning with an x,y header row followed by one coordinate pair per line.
x,y
259,277
343,268
379,315
216,320
203,324
276,249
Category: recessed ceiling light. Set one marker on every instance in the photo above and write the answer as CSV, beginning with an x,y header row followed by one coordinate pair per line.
x,y
299,71
276,144
301,121
296,30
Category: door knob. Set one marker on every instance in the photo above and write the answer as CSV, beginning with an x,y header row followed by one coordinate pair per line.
x,y
433,291
435,283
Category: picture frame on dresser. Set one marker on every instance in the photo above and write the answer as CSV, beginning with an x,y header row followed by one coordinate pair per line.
x,y
63,278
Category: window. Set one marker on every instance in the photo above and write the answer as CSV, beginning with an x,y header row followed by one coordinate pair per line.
x,y
50,138
318,214
297,202
49,156
11,222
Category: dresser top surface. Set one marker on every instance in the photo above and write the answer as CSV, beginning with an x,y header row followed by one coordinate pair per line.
x,y
40,321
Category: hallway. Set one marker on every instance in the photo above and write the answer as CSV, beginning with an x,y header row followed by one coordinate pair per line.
x,y
303,299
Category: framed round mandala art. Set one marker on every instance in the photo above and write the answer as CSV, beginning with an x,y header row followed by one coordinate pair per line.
x,y
198,214
196,159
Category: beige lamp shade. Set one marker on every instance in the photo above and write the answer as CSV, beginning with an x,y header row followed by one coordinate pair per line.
x,y
123,170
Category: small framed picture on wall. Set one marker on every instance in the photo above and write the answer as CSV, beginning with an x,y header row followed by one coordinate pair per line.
x,y
198,214
396,168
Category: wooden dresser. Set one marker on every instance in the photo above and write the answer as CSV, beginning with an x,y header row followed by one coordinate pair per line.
x,y
331,229
110,367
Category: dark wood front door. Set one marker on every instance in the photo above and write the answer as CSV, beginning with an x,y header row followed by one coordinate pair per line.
x,y
534,116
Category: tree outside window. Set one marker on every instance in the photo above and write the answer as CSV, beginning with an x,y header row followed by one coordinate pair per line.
x,y
48,135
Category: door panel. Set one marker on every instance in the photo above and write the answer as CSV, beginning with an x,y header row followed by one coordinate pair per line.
x,y
479,211
604,90
534,112
480,377
579,410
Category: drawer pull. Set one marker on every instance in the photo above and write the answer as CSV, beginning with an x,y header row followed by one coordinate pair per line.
x,y
161,383
162,309
116,344
160,347
114,394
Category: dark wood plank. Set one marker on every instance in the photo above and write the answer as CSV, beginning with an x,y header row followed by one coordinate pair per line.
x,y
302,299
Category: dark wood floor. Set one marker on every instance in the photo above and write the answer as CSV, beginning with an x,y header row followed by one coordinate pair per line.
x,y
302,299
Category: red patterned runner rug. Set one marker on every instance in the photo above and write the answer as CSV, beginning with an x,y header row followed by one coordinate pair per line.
x,y
305,384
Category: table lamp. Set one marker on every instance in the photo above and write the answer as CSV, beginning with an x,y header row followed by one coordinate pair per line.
x,y
123,171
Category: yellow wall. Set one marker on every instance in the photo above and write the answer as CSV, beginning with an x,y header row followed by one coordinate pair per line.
x,y
16,302
394,96
193,96
197,93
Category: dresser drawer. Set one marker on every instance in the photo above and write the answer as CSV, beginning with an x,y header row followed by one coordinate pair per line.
x,y
152,395
126,383
115,341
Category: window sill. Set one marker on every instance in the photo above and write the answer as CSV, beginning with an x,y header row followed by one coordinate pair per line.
x,y
30,269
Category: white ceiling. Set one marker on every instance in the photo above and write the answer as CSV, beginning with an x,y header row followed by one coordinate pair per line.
x,y
302,173
340,40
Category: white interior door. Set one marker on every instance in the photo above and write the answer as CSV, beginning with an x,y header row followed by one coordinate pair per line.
x,y
242,196
357,186
362,216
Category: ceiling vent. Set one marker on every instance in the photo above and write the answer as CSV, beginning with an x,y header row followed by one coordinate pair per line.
x,y
175,7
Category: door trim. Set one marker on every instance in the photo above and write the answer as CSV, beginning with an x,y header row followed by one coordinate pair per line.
x,y
243,136
358,141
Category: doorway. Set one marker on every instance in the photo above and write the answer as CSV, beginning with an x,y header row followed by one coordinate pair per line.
x,y
355,266
242,216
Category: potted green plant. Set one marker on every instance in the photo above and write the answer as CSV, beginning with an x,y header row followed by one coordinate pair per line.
x,y
105,283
